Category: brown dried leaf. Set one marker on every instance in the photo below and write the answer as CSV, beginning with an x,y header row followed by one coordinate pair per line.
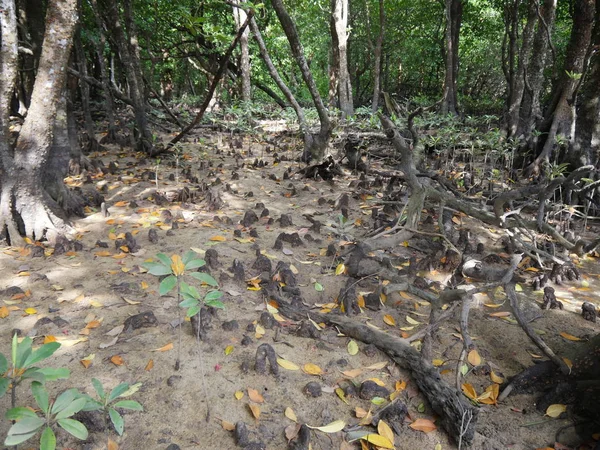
x,y
255,396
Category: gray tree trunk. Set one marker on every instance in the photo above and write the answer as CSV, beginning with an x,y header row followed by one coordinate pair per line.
x,y
25,206
377,56
453,11
339,32
240,17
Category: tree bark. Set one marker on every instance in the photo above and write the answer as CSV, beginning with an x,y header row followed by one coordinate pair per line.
x,y
8,69
517,81
25,207
315,144
240,17
453,10
130,63
563,110
339,33
377,57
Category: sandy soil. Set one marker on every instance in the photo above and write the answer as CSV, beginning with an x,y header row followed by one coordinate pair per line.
x,y
82,286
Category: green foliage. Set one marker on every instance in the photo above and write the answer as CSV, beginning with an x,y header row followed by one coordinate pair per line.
x,y
108,402
54,414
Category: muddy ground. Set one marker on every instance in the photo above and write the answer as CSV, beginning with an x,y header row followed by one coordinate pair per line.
x,y
108,285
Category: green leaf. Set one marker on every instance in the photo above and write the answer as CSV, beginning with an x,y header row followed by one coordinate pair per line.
x,y
3,363
167,284
63,400
4,383
15,439
75,406
53,374
26,425
23,352
117,391
193,262
157,269
189,256
216,304
164,259
48,440
318,287
132,390
19,413
213,295
34,373
129,404
74,427
188,302
193,310
204,278
15,344
98,388
93,405
117,420
41,395
41,353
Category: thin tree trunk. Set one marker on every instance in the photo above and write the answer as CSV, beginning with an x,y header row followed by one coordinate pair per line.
x,y
339,32
517,85
377,68
8,69
132,68
240,17
318,143
453,10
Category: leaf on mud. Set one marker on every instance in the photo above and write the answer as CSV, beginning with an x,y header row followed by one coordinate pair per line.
x,y
352,373
255,410
495,378
412,321
424,425
333,427
318,287
93,324
312,369
30,311
556,410
238,395
385,430
352,347
115,331
474,358
219,239
87,361
377,366
360,412
290,414
4,312
228,350
389,320
340,269
103,253
117,360
131,302
287,364
227,426
568,362
469,391
341,394
291,431
500,314
437,362
259,331
149,365
378,440
400,385
568,336
255,396
164,348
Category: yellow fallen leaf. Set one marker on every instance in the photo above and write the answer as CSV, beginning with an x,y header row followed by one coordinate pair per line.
x,y
255,410
117,360
131,302
568,362
555,410
255,396
312,369
229,350
352,373
238,395
377,366
164,348
495,378
474,358
384,430
103,253
568,336
30,311
424,425
389,320
23,274
378,440
340,269
87,361
121,204
412,321
437,362
149,365
112,445
4,312
287,364
469,391
259,331
290,414
333,427
120,256
352,347
227,426
96,304
218,239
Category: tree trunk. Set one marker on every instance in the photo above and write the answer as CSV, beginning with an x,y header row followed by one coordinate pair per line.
x,y
530,105
25,207
240,17
563,112
339,33
586,146
517,81
377,68
449,104
8,69
130,62
315,145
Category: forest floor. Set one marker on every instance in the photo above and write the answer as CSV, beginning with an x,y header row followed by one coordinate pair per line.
x,y
97,289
